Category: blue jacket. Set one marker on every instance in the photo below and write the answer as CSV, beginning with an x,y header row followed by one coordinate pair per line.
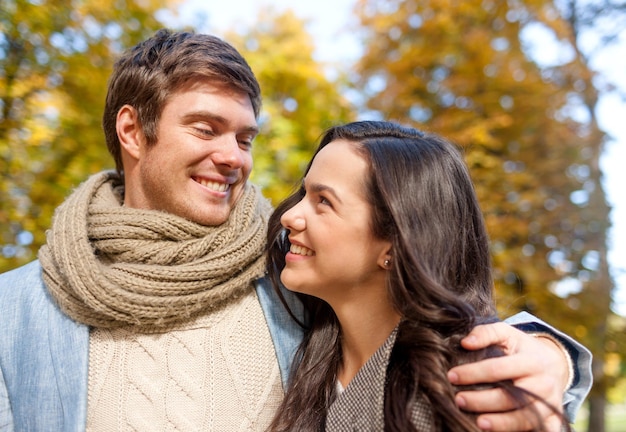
x,y
44,354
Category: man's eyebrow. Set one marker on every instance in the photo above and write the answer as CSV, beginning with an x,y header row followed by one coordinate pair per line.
x,y
319,187
207,115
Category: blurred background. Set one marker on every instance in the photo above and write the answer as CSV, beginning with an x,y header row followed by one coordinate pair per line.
x,y
533,90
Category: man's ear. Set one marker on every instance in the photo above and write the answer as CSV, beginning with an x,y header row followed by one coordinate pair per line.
x,y
129,131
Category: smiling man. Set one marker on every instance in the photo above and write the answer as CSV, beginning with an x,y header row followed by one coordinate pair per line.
x,y
147,308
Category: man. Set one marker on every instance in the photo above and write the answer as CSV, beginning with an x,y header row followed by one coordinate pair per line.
x,y
147,308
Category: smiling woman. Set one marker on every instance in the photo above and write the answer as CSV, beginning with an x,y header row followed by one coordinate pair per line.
x,y
387,241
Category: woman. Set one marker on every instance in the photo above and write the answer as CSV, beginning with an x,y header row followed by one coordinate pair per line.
x,y
387,242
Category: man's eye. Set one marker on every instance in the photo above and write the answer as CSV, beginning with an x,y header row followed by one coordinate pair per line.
x,y
245,143
205,132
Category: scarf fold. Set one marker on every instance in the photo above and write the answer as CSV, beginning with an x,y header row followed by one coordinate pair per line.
x,y
110,266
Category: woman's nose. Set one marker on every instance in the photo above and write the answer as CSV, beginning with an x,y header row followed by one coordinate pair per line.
x,y
293,219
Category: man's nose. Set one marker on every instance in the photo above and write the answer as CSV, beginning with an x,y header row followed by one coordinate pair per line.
x,y
229,153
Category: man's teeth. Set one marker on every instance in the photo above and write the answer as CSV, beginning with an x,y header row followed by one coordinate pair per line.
x,y
219,187
300,250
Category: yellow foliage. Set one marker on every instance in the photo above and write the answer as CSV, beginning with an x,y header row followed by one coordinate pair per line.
x,y
53,79
612,364
299,101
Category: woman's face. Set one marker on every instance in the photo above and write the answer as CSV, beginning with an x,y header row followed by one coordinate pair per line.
x,y
334,255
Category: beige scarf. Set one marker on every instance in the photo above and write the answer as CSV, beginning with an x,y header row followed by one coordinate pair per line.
x,y
109,266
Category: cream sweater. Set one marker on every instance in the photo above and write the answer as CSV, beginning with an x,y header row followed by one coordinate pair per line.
x,y
218,373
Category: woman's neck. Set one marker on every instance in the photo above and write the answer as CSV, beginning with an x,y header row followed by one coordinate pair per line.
x,y
363,331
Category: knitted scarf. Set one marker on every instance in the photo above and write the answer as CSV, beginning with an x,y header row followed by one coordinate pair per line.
x,y
109,266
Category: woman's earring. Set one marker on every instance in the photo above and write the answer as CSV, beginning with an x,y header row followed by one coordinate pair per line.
x,y
387,263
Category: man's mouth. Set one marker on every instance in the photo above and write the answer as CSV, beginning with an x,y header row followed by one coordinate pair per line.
x,y
213,185
301,250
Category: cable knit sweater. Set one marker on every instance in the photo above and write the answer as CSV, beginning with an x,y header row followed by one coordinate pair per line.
x,y
218,373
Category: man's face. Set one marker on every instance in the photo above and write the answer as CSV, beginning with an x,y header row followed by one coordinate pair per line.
x,y
199,166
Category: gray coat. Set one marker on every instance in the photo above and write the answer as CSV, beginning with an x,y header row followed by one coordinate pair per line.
x,y
360,407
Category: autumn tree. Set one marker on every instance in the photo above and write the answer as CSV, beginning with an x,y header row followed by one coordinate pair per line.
x,y
466,70
299,99
574,23
55,58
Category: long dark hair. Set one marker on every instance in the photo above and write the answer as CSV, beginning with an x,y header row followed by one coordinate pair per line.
x,y
440,280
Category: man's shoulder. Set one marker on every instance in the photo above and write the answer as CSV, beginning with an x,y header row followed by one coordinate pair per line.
x,y
25,298
285,332
33,266
43,353
28,308
15,283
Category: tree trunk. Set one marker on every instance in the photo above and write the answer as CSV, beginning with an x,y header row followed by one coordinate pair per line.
x,y
597,409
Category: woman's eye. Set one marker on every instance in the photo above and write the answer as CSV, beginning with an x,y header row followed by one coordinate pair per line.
x,y
324,201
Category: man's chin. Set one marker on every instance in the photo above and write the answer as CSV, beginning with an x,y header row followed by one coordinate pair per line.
x,y
213,218
205,213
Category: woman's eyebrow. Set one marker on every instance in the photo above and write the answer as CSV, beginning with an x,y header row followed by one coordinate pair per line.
x,y
319,187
